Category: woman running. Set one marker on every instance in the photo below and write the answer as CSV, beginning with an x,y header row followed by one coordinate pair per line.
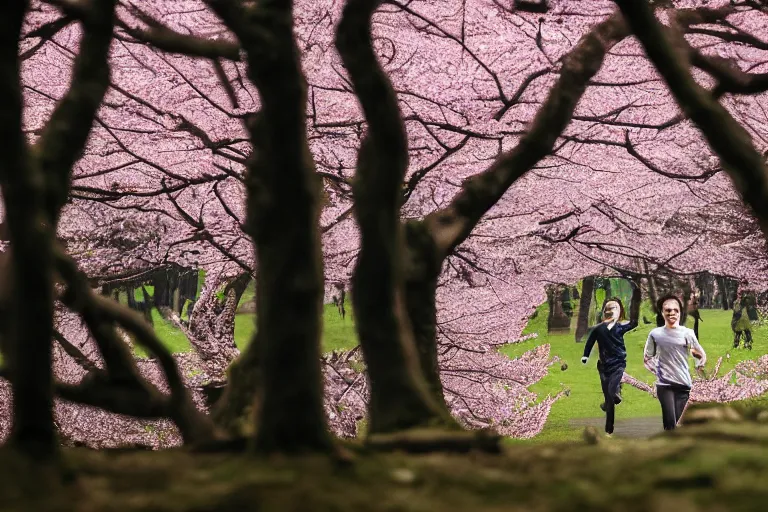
x,y
612,361
670,344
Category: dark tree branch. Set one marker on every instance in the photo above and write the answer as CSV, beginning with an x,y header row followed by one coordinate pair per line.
x,y
451,225
74,352
741,160
168,40
64,136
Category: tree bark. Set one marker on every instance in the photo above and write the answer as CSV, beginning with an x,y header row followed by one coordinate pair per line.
x,y
635,301
399,395
422,270
283,220
212,325
235,411
585,306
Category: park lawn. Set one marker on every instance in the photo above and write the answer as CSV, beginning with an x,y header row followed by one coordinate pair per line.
x,y
583,381
173,339
338,333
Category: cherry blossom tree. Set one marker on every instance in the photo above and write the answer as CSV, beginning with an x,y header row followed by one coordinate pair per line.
x,y
517,146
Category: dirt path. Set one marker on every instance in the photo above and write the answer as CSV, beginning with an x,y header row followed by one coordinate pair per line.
x,y
629,427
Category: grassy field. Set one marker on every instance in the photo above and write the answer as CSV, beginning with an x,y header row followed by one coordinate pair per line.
x,y
581,380
338,333
584,383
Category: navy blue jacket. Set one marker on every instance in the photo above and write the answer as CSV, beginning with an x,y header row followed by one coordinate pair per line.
x,y
610,343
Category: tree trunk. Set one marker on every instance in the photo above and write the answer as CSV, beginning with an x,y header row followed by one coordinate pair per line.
x,y
26,305
725,294
585,306
28,326
290,288
635,301
235,411
212,325
557,320
130,292
422,271
652,293
399,395
283,217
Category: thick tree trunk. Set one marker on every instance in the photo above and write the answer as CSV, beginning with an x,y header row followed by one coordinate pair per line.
x,y
289,311
283,219
212,325
399,396
26,307
422,270
585,306
29,329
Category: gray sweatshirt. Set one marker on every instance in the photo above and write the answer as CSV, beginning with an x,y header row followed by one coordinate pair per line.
x,y
671,348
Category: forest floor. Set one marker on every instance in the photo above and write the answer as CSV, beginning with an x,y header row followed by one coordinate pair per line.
x,y
713,466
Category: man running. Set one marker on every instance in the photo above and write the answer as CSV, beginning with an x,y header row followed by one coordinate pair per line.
x,y
612,361
670,345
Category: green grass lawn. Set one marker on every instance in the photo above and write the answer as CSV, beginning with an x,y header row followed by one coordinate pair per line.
x,y
584,383
338,334
581,380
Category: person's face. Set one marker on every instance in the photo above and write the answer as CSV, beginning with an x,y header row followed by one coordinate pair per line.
x,y
611,310
670,310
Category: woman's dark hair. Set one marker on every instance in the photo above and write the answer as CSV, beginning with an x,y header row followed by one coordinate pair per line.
x,y
660,305
622,313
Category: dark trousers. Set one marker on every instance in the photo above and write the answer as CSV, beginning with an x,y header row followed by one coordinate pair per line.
x,y
610,381
673,399
747,341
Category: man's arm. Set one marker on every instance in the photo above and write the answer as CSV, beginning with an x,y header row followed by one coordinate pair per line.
x,y
627,326
590,343
697,351
650,348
